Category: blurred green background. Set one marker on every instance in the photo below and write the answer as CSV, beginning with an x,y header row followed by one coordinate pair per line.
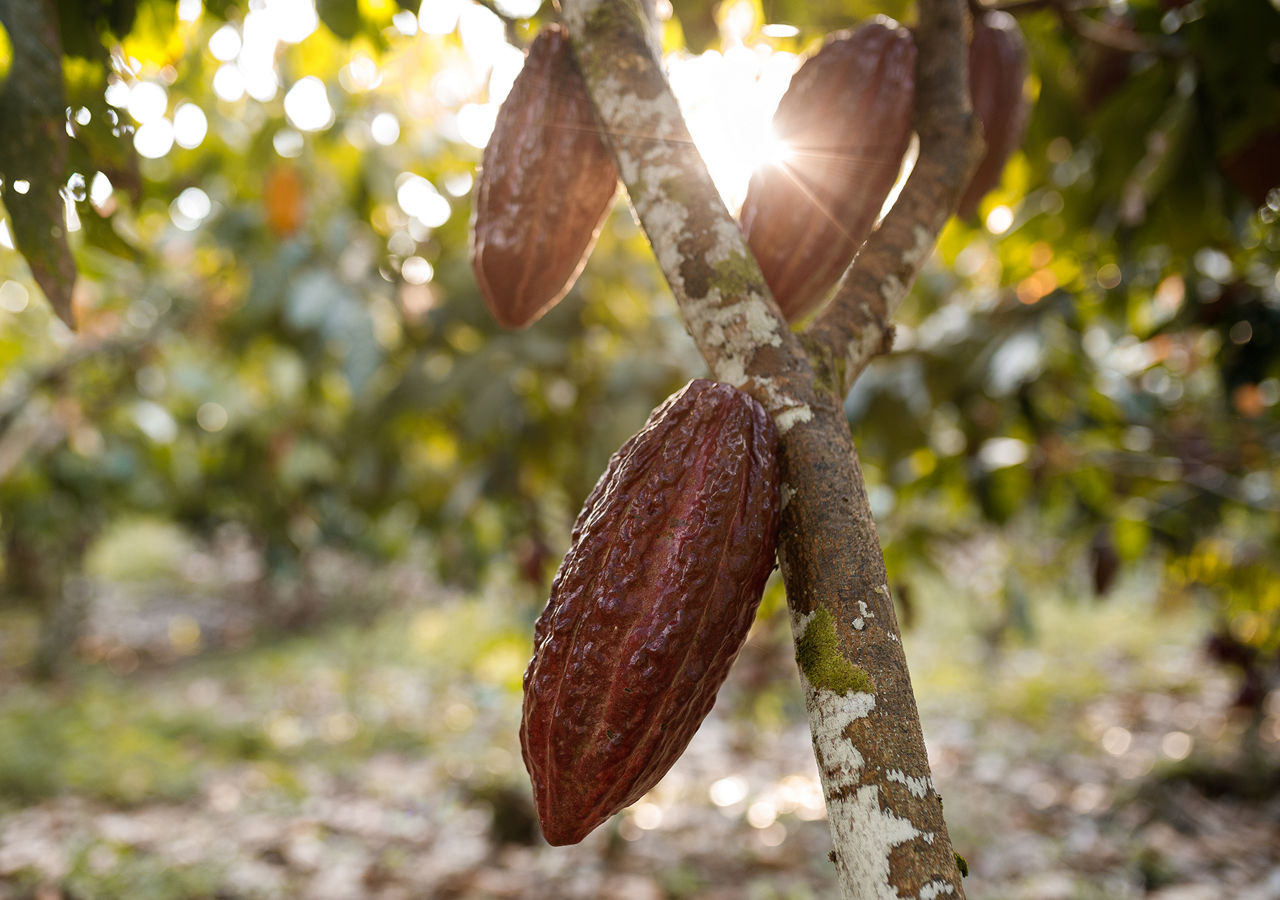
x,y
278,517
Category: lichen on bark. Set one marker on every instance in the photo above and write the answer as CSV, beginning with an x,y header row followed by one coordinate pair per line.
x,y
818,655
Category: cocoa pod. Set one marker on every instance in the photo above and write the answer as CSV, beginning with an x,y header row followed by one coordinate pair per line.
x,y
846,119
1104,561
1254,168
997,69
545,186
1105,69
650,606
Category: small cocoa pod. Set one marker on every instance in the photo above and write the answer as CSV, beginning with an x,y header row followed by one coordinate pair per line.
x,y
1104,560
651,604
1104,70
545,186
1254,167
846,120
997,69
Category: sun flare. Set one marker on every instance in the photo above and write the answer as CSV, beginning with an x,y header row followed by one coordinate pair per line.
x,y
770,150
728,100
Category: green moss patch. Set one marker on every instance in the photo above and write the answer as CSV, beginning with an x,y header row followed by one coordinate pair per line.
x,y
818,653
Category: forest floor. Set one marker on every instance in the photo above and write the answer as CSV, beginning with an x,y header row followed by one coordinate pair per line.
x,y
191,756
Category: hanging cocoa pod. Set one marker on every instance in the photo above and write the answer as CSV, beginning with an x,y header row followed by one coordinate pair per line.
x,y
997,69
651,604
846,120
1254,167
1104,561
545,186
1105,69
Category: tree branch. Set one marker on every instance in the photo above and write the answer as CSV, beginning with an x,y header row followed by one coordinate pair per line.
x,y
1095,31
723,297
1109,36
855,326
885,816
23,387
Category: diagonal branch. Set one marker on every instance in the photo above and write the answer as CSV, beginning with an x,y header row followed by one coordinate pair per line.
x,y
1096,31
885,815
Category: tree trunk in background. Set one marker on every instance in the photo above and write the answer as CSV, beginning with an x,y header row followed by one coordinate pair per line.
x,y
63,604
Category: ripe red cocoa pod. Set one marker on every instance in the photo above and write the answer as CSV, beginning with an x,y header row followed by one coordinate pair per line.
x,y
545,186
846,119
997,69
651,605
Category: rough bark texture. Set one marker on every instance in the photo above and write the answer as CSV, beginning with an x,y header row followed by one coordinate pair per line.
x,y
855,325
885,816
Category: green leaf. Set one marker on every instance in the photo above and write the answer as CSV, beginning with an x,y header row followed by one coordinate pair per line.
x,y
120,16
219,8
100,233
342,17
33,148
98,145
698,22
153,37
78,28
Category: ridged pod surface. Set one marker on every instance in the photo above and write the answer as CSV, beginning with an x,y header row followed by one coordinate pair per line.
x,y
846,119
651,604
545,186
997,69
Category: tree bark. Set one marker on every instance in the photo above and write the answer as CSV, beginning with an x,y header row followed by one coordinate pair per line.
x,y
890,839
855,326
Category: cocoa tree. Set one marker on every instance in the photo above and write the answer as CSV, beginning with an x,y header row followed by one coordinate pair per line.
x,y
884,811
830,551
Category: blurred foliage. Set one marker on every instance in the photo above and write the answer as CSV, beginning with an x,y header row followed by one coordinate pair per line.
x,y
1104,368
98,746
411,682
279,329
252,354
